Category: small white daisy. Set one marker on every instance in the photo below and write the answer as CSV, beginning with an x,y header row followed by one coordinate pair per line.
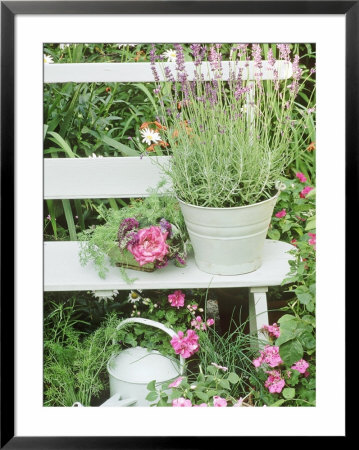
x,y
150,136
62,46
170,55
48,59
125,45
134,297
105,295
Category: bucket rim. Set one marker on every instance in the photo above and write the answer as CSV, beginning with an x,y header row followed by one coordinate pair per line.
x,y
144,383
229,208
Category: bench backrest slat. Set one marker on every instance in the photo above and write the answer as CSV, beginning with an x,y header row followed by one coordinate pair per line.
x,y
141,72
76,178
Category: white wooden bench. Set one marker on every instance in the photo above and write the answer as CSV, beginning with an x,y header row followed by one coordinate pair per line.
x,y
125,177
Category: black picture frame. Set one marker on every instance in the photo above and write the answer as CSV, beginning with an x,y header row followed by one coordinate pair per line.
x,y
9,10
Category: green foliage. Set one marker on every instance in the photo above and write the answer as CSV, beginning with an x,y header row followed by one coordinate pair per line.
x,y
74,366
201,389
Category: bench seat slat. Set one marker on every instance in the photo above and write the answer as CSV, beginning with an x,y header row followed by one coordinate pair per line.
x,y
63,272
122,177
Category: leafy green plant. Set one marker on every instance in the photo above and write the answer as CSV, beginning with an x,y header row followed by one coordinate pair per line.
x,y
74,367
212,388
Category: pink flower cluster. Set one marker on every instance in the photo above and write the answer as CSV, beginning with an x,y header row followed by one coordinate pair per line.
x,y
217,401
305,191
312,241
281,214
301,177
200,325
181,402
301,366
187,345
177,299
150,245
272,330
270,356
274,382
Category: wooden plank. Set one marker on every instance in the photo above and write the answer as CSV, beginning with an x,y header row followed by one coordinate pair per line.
x,y
63,272
141,72
122,177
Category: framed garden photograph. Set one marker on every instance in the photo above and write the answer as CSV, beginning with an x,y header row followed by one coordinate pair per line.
x,y
169,166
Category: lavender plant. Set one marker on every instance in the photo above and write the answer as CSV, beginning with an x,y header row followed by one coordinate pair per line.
x,y
229,141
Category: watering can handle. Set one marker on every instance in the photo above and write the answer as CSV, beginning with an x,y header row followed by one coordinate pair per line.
x,y
155,324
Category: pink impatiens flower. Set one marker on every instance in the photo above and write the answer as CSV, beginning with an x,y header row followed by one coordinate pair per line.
x,y
219,401
281,214
305,191
210,322
150,245
181,402
176,383
301,177
301,366
274,382
187,345
177,299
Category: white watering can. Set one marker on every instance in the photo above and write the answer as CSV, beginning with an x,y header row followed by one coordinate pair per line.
x,y
132,369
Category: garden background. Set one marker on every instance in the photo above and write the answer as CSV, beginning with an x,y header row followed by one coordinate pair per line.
x,y
97,120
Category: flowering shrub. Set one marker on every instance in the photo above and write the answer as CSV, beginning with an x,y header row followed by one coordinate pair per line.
x,y
212,388
178,316
282,366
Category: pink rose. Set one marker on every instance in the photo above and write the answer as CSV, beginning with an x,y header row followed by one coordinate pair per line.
x,y
176,299
151,245
219,401
181,402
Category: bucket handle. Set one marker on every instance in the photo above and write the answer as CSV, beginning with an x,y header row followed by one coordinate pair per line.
x,y
155,324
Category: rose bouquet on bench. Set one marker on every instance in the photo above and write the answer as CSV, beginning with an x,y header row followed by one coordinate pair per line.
x,y
144,235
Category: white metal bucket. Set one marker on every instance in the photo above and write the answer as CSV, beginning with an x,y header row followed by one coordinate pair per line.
x,y
228,241
132,369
